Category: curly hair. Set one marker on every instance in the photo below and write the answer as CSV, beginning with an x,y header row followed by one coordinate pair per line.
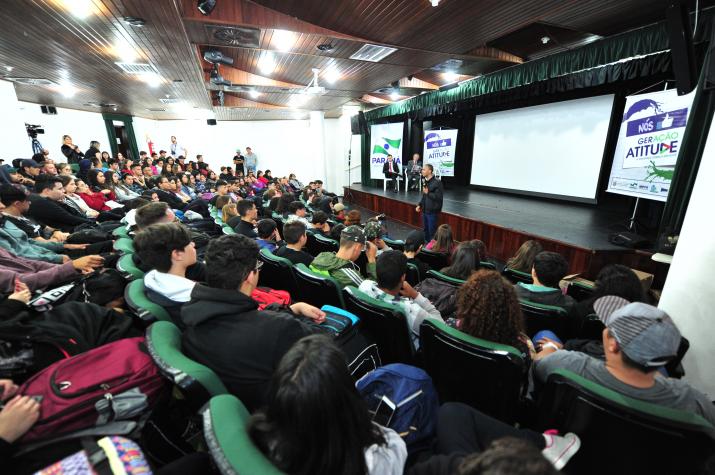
x,y
488,308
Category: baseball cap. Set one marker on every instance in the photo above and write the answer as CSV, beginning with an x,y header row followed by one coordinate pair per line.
x,y
373,230
645,334
28,162
338,207
605,306
353,233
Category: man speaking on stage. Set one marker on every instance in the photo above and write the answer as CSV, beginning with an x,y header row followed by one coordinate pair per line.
x,y
431,202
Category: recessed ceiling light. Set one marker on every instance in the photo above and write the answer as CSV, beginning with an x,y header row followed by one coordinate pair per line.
x,y
124,51
545,39
283,40
254,94
152,79
394,96
67,89
79,8
9,68
267,63
434,2
331,75
450,76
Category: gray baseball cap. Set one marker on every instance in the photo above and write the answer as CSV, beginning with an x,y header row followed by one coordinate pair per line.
x,y
645,334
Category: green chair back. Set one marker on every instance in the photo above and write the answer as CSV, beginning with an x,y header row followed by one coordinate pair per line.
x,y
516,276
225,429
444,277
121,232
385,324
396,244
639,437
139,303
487,265
539,317
74,167
126,266
226,229
277,273
196,382
317,288
453,359
124,245
579,291
436,260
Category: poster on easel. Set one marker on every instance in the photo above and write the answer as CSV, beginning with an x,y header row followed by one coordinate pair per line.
x,y
385,139
649,142
439,150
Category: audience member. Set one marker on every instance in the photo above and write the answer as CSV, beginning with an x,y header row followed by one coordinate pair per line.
x,y
319,223
225,330
268,236
294,234
392,288
465,262
248,213
47,206
523,261
297,212
548,270
442,241
374,232
353,218
341,265
413,245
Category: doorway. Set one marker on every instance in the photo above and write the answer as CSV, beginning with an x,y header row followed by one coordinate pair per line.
x,y
121,135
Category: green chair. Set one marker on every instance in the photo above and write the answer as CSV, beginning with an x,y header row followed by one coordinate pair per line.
x,y
453,360
539,317
579,291
277,273
396,244
124,245
316,288
620,434
121,232
385,324
218,221
317,244
226,229
225,429
126,266
487,265
139,303
436,260
196,382
412,275
75,168
444,277
516,276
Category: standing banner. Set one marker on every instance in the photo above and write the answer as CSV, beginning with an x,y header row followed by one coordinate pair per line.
x,y
439,150
385,139
651,132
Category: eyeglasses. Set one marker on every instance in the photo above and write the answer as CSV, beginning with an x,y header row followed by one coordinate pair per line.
x,y
259,264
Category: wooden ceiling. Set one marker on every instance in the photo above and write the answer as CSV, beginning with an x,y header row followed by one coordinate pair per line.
x,y
76,50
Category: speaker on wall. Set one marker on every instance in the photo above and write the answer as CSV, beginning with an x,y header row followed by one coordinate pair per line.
x,y
48,110
210,121
681,46
358,124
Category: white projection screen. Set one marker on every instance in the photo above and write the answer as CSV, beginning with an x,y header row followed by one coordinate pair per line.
x,y
551,150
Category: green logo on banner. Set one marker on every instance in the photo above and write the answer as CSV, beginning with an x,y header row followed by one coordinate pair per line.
x,y
389,143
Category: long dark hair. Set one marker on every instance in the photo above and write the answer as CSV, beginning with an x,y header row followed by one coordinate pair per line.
x,y
93,183
523,260
443,241
465,261
109,180
619,280
313,398
284,203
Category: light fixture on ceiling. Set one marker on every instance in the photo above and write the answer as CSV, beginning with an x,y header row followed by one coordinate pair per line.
x,y
450,76
79,8
114,109
206,6
152,79
254,94
394,96
134,21
9,68
297,100
331,75
124,51
267,63
67,89
325,47
283,40
434,2
545,39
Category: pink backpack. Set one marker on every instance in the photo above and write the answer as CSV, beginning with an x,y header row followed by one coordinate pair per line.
x,y
117,381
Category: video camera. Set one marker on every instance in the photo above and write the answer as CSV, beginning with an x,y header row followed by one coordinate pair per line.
x,y
33,130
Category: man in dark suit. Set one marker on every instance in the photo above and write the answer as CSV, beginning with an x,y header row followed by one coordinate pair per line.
x,y
391,170
414,172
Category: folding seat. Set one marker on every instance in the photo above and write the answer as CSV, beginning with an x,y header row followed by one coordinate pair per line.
x,y
126,266
196,382
485,375
225,430
316,289
516,276
620,434
385,324
579,291
436,260
277,273
139,303
539,317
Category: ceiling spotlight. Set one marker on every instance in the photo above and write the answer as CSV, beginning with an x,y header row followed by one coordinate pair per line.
x,y
114,109
267,63
434,2
283,40
254,94
545,39
331,75
206,6
325,47
124,51
67,89
9,68
450,76
79,8
394,95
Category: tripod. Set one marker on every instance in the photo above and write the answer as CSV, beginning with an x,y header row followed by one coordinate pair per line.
x,y
36,145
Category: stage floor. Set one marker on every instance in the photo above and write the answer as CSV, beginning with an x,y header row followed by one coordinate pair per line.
x,y
575,224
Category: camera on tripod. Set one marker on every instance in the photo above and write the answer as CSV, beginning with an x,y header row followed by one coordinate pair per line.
x,y
33,130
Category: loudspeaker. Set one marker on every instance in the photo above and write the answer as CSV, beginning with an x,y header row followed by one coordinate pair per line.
x,y
48,110
210,121
681,46
630,240
358,124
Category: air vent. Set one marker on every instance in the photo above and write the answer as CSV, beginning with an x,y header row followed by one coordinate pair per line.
x,y
137,68
234,35
157,110
373,53
31,81
169,101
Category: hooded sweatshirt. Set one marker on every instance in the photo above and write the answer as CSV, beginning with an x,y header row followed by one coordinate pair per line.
x,y
226,332
343,271
170,291
544,295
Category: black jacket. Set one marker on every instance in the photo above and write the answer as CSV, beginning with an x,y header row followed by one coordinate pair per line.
x,y
91,153
171,199
296,257
72,156
226,332
395,167
431,202
53,214
246,229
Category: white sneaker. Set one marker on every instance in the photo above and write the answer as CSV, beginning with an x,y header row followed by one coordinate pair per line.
x,y
560,449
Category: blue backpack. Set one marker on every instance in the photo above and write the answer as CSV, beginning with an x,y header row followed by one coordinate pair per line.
x,y
412,403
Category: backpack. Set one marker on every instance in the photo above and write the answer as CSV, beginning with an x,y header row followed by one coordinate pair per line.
x,y
442,295
102,457
117,381
412,393
99,287
265,297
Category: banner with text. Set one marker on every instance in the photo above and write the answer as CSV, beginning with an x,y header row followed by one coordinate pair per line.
x,y
385,139
439,150
651,133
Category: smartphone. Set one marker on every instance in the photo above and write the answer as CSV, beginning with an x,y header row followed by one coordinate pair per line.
x,y
18,284
384,412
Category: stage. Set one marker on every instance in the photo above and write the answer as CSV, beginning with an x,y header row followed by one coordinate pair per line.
x,y
504,221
